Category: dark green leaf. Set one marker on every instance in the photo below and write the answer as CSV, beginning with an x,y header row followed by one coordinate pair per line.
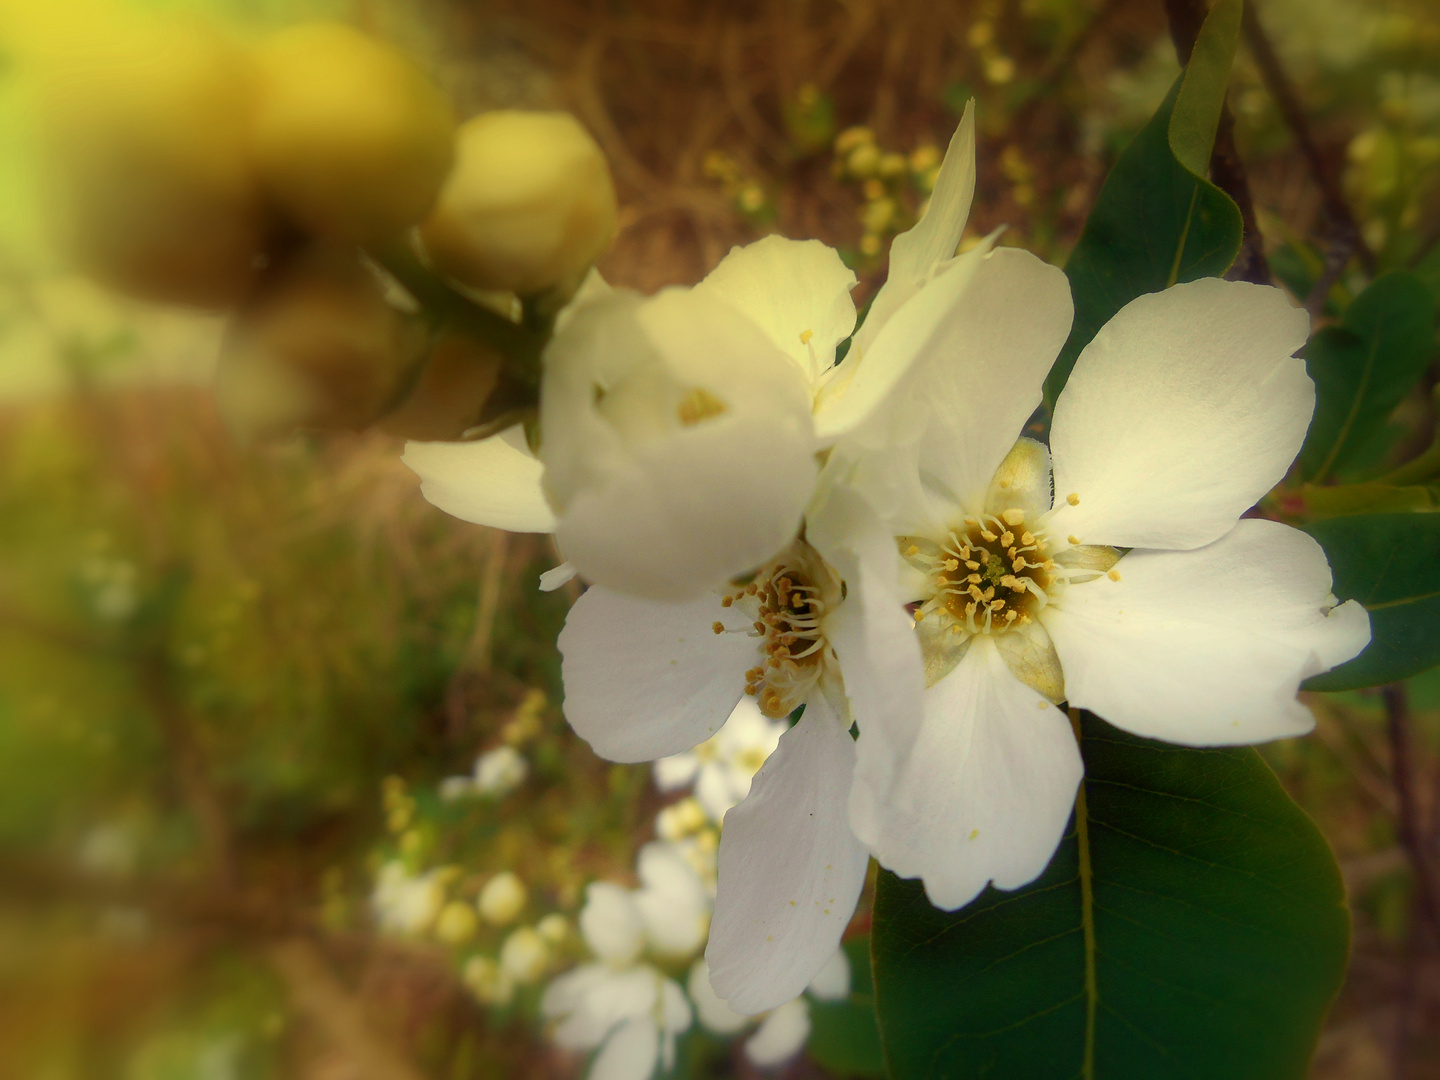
x,y
1191,926
1156,222
1391,564
844,1037
1365,366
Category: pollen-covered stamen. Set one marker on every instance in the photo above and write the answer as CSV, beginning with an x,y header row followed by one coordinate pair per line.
x,y
788,600
991,573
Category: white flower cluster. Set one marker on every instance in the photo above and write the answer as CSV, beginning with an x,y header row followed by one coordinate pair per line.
x,y
871,535
628,1002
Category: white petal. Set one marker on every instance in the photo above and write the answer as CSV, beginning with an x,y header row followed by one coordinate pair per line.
x,y
1186,408
856,390
686,514
875,640
672,901
494,481
833,982
1206,647
612,924
556,577
629,1054
986,789
675,1012
714,1013
781,1035
917,253
790,869
797,291
644,678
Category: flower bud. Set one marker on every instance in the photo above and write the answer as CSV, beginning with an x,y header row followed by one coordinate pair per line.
x,y
317,346
502,899
143,133
490,984
677,440
524,956
350,138
529,207
456,923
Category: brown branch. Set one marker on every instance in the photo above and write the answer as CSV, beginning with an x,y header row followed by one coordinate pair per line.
x,y
1410,831
1227,172
1345,228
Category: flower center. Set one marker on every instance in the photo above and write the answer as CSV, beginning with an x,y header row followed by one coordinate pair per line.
x,y
788,600
990,573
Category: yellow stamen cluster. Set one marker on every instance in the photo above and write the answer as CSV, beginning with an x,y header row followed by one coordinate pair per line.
x,y
789,599
991,574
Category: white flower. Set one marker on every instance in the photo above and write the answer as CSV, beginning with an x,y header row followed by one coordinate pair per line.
x,y
1134,591
500,771
404,903
679,432
790,868
502,899
456,923
622,1004
722,767
633,1015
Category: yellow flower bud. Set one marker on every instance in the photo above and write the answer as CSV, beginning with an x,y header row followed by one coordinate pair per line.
x,y
143,133
317,346
529,207
502,899
350,138
456,923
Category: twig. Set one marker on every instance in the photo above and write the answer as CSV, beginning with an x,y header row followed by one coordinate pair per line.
x,y
1227,172
1408,826
1346,229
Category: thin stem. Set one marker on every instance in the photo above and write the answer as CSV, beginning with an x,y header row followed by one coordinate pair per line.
x,y
1408,825
1347,229
520,346
1087,916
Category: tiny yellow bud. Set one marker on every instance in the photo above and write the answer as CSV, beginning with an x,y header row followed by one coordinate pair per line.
x,y
456,924
524,956
529,207
502,899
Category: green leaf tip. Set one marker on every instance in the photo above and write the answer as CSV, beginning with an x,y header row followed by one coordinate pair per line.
x,y
1202,87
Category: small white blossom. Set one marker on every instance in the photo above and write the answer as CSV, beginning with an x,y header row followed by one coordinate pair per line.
x,y
490,983
500,771
456,923
407,904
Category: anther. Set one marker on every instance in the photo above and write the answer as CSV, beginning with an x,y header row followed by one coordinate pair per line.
x,y
1027,538
988,535
1113,575
727,601
1007,538
718,627
805,336
912,550
971,564
1013,516
1073,498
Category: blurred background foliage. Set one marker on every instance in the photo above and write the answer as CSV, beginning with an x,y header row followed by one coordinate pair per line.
x,y
213,655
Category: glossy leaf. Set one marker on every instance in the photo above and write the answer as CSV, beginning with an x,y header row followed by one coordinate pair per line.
x,y
1391,564
1191,926
1365,367
1156,222
844,1037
